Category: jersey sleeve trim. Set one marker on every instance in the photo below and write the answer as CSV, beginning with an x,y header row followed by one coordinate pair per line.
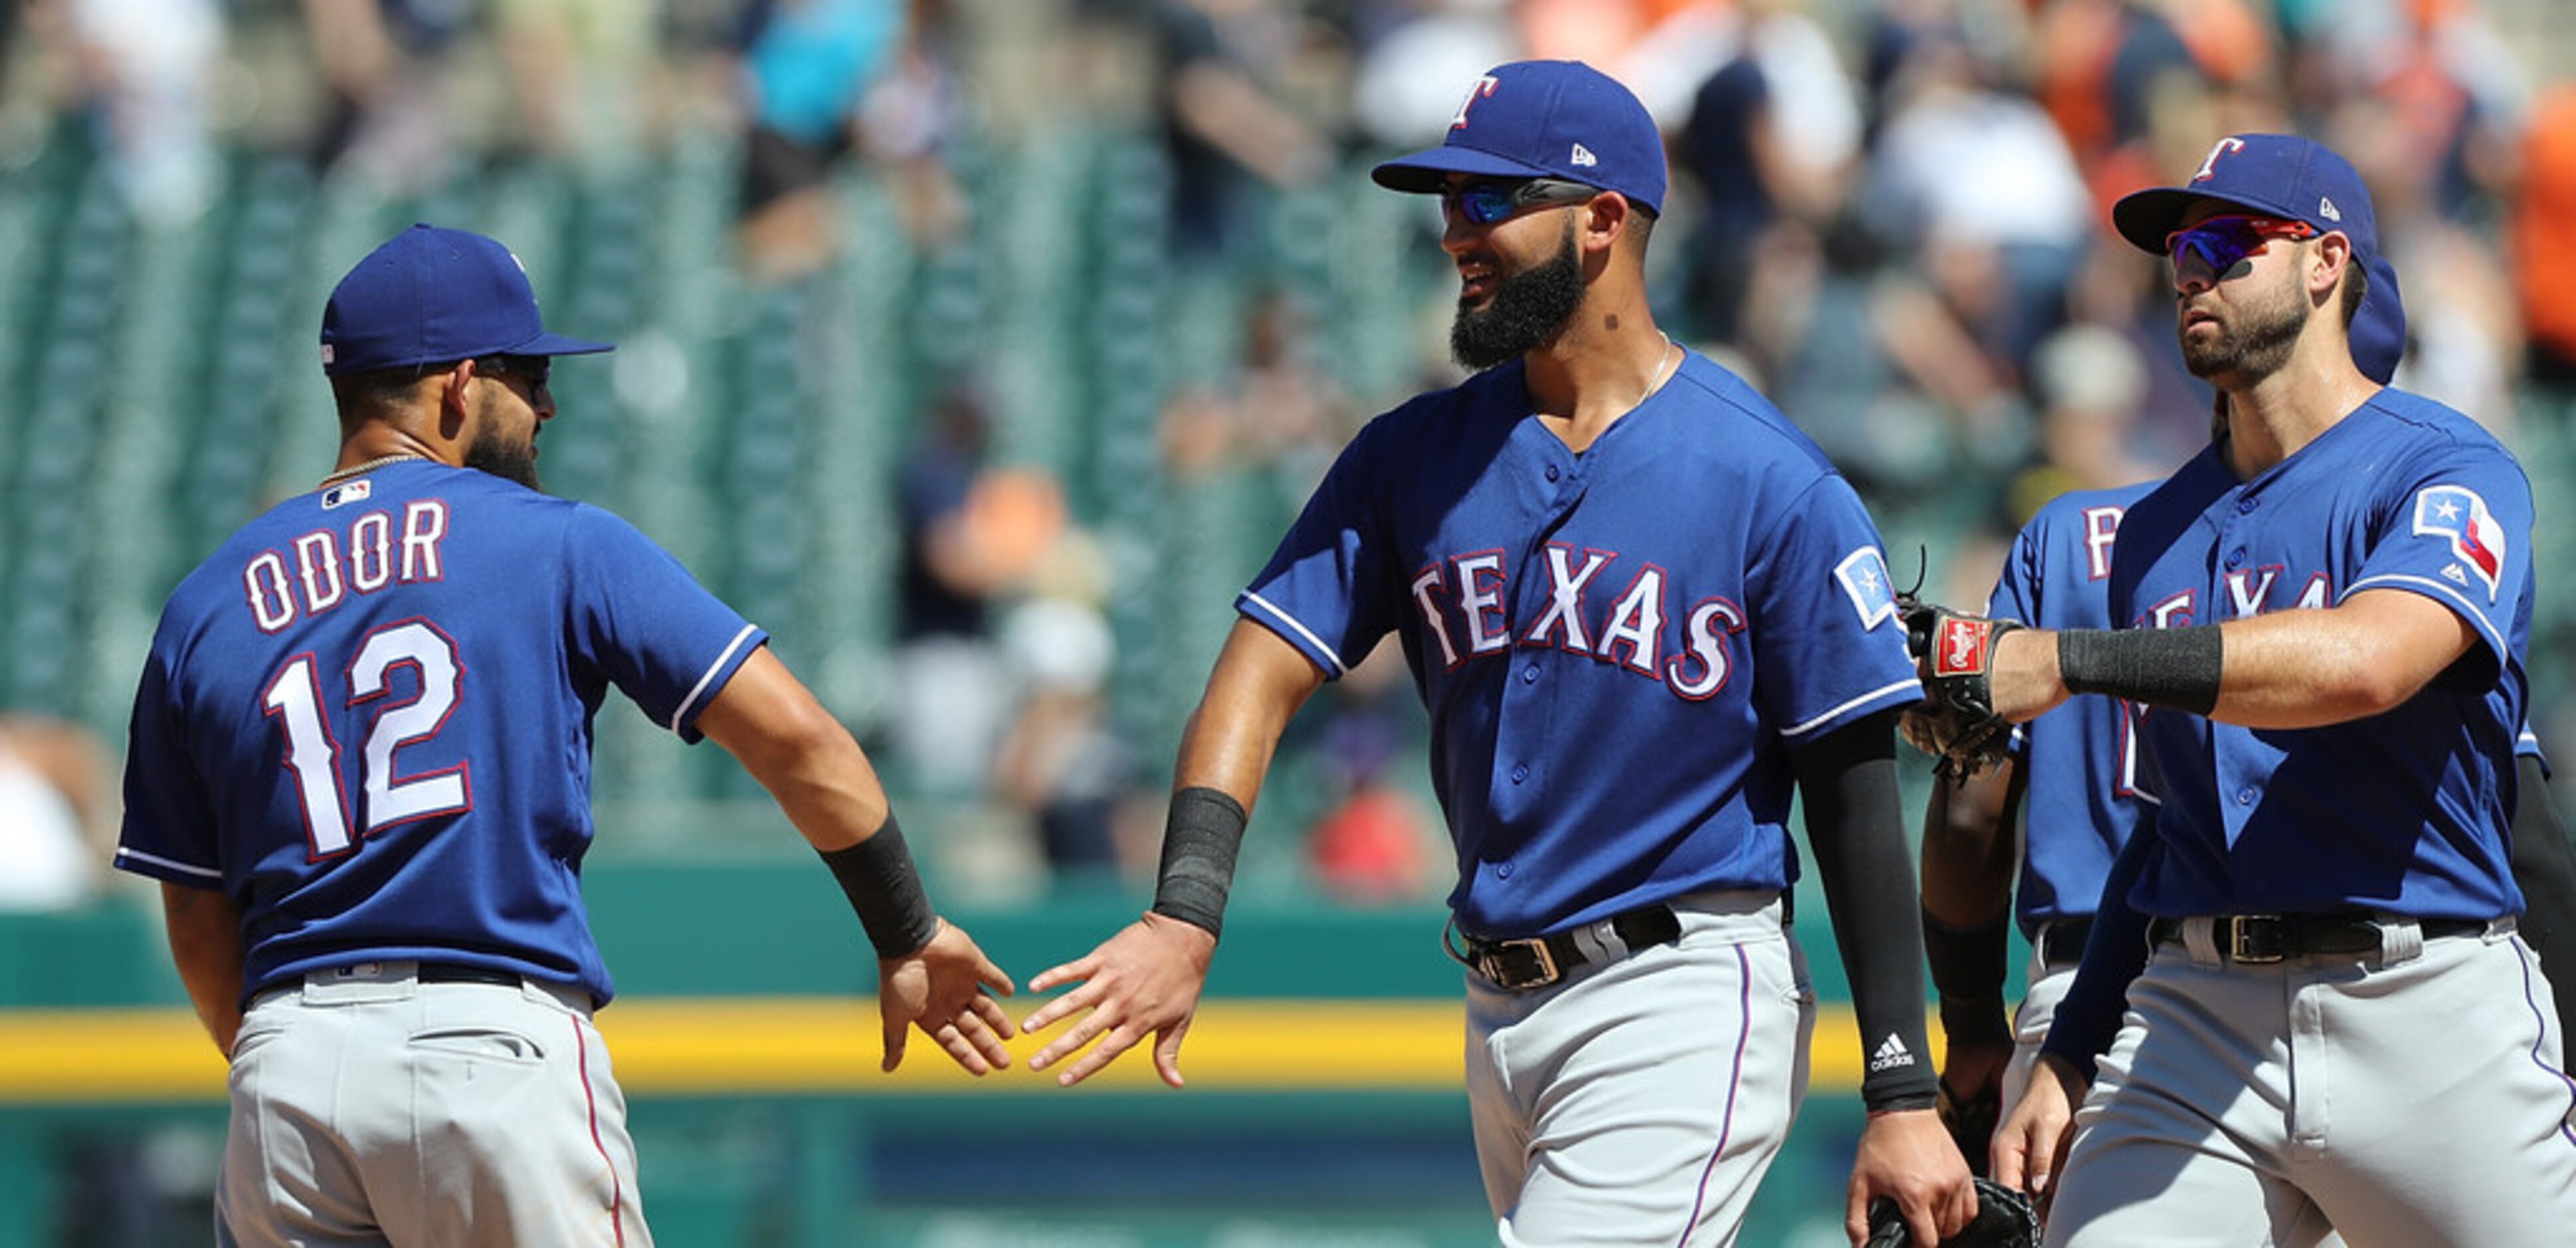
x,y
1897,694
1298,635
2430,588
724,663
141,863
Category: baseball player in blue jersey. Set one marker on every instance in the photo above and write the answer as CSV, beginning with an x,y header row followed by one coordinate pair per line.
x,y
2071,783
359,767
2331,1024
1641,607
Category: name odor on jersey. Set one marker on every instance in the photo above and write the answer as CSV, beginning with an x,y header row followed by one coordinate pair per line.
x,y
319,570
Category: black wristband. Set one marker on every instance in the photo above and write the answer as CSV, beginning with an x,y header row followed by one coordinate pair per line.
x,y
2175,667
877,875
1968,973
1201,837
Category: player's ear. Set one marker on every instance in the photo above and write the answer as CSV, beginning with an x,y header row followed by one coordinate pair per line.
x,y
452,408
2326,265
1605,219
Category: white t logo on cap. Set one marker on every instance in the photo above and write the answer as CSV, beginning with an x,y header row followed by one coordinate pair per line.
x,y
1484,87
2209,167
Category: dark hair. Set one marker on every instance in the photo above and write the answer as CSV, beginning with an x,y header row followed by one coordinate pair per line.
x,y
2356,285
1641,225
362,396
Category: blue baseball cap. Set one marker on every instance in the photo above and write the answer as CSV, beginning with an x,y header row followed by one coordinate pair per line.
x,y
2277,175
1544,119
434,296
2378,330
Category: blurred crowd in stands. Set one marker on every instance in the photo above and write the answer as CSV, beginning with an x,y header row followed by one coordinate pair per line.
x,y
1890,215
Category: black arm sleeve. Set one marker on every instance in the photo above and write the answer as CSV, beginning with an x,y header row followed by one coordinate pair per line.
x,y
2544,865
1847,782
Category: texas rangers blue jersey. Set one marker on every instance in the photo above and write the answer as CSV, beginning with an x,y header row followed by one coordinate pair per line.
x,y
2406,811
354,719
1698,589
2083,796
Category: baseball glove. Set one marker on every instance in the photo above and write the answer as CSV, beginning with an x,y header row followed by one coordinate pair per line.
x,y
2005,1219
1954,654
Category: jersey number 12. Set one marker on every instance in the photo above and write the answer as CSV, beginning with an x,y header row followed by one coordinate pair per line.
x,y
294,698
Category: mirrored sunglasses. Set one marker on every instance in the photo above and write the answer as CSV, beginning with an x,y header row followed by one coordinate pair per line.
x,y
2221,242
1486,202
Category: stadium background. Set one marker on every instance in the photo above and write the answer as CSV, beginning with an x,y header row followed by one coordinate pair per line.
x,y
1137,242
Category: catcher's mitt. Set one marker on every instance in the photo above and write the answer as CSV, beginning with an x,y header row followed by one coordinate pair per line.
x,y
2005,1219
1954,654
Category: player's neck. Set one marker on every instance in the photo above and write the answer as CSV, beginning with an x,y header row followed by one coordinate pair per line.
x,y
1598,370
379,442
2272,419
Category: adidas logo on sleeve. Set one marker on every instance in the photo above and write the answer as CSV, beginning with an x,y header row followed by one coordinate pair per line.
x,y
1891,1054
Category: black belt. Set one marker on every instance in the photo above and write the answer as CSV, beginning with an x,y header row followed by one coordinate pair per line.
x,y
2253,938
1537,961
2062,943
460,973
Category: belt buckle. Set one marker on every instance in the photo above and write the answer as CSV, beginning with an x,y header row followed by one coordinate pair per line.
x,y
1537,967
2245,946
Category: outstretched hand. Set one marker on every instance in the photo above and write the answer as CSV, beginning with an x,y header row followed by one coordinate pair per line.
x,y
1143,981
943,989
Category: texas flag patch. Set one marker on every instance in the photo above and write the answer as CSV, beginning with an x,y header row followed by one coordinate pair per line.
x,y
1863,574
2477,541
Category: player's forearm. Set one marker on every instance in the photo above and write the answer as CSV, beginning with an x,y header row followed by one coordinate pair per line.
x,y
2287,669
204,930
1259,682
2307,669
1847,783
1968,847
773,725
1256,687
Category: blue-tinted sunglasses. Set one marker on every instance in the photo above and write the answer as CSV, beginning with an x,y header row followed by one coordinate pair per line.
x,y
1486,202
2222,242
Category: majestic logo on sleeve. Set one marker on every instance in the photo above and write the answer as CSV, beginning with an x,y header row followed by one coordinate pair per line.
x,y
2477,540
1863,574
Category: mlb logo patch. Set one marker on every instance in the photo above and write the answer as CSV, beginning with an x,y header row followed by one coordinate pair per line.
x,y
1961,647
346,493
2456,513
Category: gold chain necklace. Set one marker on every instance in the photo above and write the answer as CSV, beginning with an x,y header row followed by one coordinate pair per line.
x,y
370,466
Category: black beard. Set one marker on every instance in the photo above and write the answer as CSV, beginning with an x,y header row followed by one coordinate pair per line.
x,y
2264,345
1527,311
510,463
